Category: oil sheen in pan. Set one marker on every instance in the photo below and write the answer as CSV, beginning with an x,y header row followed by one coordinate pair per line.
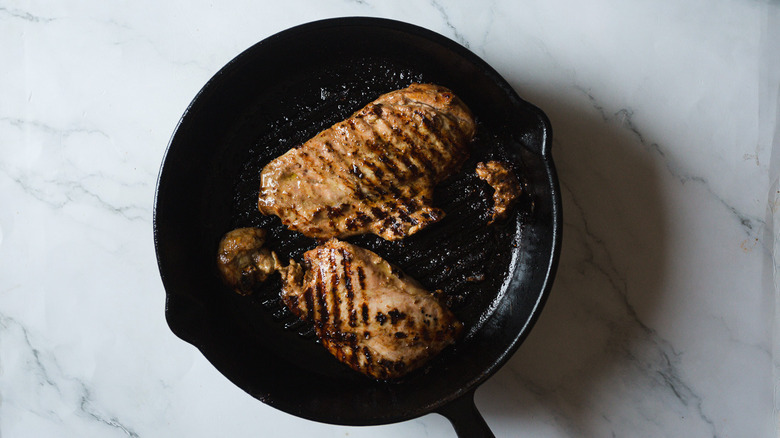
x,y
461,256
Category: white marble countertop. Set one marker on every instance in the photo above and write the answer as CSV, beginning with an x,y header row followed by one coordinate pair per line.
x,y
662,318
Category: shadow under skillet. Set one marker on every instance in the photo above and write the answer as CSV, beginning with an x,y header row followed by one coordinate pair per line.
x,y
609,278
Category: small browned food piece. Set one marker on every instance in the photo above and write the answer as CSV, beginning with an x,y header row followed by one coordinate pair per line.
x,y
373,172
506,187
366,312
242,260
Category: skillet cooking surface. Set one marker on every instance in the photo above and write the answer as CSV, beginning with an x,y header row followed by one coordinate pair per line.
x,y
280,93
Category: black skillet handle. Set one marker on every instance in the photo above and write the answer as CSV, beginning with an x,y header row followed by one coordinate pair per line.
x,y
464,416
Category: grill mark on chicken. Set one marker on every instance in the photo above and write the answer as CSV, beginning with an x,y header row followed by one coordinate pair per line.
x,y
342,171
395,173
384,158
361,277
400,129
389,154
373,177
423,133
395,316
333,171
413,151
369,157
350,294
391,161
383,153
409,151
321,311
334,293
411,156
368,356
433,133
354,358
407,162
364,311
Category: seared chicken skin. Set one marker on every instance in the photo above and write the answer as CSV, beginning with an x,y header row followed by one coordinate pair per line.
x,y
373,172
365,311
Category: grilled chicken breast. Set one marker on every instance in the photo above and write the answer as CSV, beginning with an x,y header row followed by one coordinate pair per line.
x,y
373,172
366,312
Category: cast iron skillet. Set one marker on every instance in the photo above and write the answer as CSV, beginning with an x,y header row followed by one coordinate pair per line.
x,y
283,91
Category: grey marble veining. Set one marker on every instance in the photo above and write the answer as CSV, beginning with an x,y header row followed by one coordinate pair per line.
x,y
663,318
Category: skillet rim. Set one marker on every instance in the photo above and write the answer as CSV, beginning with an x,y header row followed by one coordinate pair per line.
x,y
544,151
